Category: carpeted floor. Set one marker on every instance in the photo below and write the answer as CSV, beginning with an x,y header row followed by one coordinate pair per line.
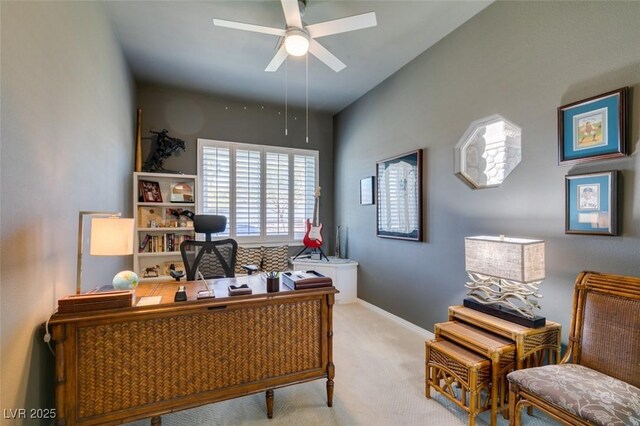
x,y
379,381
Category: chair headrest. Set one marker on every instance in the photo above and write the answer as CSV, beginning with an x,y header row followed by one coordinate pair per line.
x,y
209,223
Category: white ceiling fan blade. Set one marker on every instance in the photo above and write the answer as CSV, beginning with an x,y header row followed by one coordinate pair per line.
x,y
325,56
342,25
248,27
292,13
277,60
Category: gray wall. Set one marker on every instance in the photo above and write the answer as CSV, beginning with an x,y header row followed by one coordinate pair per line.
x,y
67,145
521,60
191,115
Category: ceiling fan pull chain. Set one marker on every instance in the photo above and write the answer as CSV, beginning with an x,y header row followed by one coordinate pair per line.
x,y
307,94
286,96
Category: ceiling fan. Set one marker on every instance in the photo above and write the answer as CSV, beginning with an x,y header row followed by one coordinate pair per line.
x,y
299,38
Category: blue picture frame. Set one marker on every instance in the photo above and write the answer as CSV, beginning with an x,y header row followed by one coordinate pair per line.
x,y
591,203
593,129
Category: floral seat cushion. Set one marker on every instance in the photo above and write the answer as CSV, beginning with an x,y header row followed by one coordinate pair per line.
x,y
583,392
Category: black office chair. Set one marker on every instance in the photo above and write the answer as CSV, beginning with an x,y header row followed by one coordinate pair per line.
x,y
214,259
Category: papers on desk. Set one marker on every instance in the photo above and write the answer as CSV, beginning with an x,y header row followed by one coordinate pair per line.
x,y
149,300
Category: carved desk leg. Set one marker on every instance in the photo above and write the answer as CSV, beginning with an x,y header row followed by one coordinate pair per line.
x,y
269,395
331,369
59,337
156,421
330,385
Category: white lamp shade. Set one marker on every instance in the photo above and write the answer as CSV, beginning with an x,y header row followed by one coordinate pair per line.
x,y
515,259
296,43
111,237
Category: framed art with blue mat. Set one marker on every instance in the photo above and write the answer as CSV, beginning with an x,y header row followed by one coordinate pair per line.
x,y
593,129
591,203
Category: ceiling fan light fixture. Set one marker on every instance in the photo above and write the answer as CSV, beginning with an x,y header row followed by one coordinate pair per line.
x,y
296,42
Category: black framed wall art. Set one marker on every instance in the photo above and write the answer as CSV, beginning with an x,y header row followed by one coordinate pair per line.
x,y
593,128
399,197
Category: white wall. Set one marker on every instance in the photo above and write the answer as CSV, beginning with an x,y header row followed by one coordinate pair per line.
x,y
521,60
67,128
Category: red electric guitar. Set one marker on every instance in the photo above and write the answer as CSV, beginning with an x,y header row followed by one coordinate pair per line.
x,y
313,237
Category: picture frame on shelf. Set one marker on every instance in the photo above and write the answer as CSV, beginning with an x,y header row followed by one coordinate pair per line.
x,y
367,190
591,203
181,192
594,128
399,197
150,191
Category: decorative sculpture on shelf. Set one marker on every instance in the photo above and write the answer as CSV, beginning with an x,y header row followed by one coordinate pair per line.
x,y
165,146
151,271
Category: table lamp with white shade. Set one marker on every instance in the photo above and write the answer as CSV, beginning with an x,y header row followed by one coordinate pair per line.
x,y
111,235
505,275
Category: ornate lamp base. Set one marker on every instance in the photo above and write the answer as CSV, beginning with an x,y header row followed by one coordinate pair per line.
x,y
509,300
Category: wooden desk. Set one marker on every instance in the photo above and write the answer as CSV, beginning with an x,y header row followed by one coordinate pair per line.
x,y
119,365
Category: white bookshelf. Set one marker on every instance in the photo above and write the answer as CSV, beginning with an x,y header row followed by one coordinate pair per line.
x,y
154,219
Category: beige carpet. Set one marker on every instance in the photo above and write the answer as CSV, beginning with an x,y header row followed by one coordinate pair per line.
x,y
379,381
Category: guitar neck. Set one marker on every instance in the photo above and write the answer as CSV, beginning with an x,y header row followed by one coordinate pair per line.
x,y
315,212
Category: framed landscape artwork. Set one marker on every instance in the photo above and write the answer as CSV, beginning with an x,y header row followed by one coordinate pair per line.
x,y
591,203
399,197
593,129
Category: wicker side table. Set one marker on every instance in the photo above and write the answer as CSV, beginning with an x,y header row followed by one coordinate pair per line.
x,y
500,350
534,346
448,364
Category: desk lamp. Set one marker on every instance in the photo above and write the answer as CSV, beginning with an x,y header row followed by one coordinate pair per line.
x,y
110,235
505,274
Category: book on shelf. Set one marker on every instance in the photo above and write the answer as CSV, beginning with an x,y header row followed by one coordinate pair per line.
x,y
168,242
144,242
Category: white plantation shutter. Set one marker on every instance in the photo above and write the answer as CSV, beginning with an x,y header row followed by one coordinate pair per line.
x,y
266,192
248,209
304,181
216,182
277,193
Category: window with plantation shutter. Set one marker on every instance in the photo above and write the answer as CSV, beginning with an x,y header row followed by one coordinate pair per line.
x,y
248,204
266,192
215,174
277,193
304,181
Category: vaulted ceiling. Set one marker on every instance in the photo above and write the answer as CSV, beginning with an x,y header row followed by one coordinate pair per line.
x,y
175,43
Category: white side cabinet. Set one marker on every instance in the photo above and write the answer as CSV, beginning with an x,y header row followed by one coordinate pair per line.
x,y
343,272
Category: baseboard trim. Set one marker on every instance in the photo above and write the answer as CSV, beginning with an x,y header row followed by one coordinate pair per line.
x,y
406,324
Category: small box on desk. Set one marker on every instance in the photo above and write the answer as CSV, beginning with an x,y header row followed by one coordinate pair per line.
x,y
299,280
95,301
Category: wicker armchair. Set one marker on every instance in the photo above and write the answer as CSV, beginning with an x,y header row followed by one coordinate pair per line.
x,y
600,385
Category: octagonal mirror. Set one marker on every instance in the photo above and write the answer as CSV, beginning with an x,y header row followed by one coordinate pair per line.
x,y
488,151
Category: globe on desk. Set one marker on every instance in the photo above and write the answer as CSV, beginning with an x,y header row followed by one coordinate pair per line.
x,y
125,280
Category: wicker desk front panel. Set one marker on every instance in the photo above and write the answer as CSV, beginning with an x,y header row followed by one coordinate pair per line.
x,y
134,363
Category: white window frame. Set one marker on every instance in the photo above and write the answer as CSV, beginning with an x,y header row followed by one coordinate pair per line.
x,y
231,221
